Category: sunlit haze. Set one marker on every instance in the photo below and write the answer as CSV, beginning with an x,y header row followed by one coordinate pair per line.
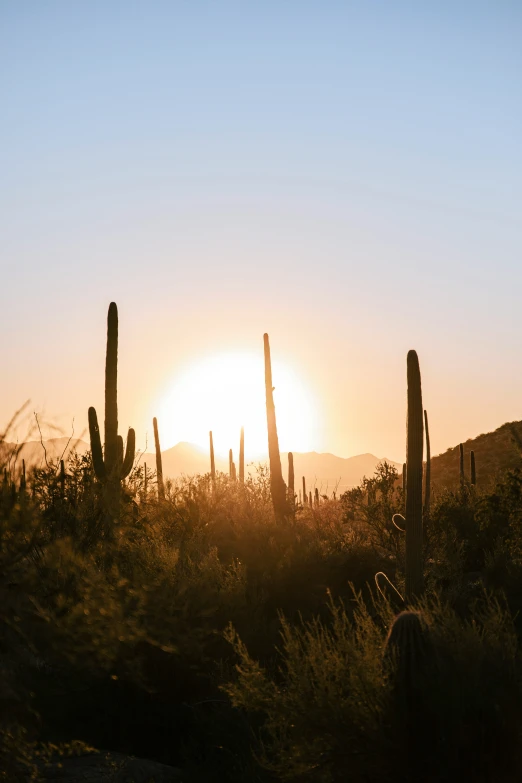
x,y
224,392
344,176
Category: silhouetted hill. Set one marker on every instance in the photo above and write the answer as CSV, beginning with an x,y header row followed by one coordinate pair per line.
x,y
35,453
495,452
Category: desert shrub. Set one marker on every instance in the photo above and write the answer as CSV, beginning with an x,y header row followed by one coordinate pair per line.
x,y
329,710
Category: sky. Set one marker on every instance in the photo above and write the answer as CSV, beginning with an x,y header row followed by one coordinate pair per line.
x,y
346,176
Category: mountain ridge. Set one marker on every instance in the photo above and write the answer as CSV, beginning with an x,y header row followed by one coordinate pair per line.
x,y
495,452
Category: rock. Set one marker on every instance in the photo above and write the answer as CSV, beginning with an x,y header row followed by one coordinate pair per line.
x,y
108,768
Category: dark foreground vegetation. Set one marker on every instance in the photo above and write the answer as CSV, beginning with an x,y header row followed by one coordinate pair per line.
x,y
199,632
214,627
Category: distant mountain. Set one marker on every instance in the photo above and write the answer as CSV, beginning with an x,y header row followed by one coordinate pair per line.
x,y
324,471
35,453
185,459
495,452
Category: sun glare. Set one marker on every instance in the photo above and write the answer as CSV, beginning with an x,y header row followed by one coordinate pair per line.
x,y
224,392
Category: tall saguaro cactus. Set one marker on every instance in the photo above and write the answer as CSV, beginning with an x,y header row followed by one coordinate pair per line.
x,y
427,478
473,468
159,463
305,496
242,456
461,464
414,453
277,484
110,466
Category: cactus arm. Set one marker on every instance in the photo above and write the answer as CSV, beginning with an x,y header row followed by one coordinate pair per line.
x,y
96,448
111,386
130,451
414,454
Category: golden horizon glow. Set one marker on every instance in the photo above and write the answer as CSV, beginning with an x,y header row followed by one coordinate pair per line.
x,y
226,391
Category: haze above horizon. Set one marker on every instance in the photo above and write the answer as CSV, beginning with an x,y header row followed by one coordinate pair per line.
x,y
347,178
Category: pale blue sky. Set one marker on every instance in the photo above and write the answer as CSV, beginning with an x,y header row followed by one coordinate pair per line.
x,y
346,176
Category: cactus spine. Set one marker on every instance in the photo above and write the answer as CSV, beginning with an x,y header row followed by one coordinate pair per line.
x,y
427,480
414,453
110,466
242,456
159,463
473,468
212,460
277,484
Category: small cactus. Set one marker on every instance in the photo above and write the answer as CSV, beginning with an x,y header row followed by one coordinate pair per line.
x,y
316,496
461,464
242,456
408,651
291,491
212,460
62,479
23,479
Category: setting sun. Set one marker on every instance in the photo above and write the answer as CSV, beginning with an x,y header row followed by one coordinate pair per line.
x,y
224,392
